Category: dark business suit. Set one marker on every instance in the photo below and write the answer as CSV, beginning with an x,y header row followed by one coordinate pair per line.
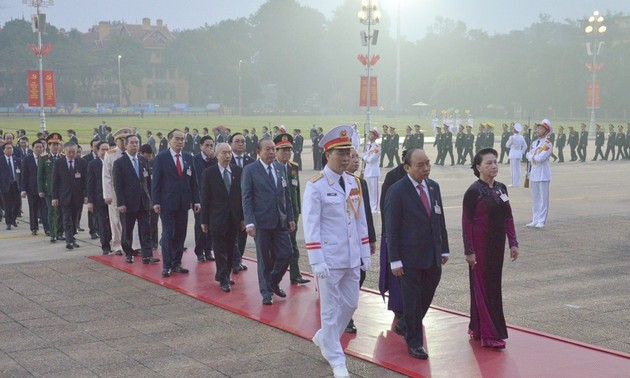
x,y
19,153
175,195
418,241
370,222
132,192
10,189
92,223
203,240
222,211
267,205
241,235
95,197
36,205
70,189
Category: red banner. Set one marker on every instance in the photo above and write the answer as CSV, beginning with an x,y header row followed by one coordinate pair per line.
x,y
373,91
49,88
589,95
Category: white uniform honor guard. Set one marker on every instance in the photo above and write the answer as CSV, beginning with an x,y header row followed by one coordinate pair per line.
x,y
517,145
372,170
540,174
336,235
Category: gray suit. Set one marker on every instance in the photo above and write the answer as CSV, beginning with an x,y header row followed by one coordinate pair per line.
x,y
268,208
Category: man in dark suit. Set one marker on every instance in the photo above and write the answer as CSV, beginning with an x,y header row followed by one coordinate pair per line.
x,y
573,141
599,142
196,147
132,197
610,143
89,157
417,243
188,141
21,150
72,137
298,147
147,152
582,143
36,205
10,171
222,211
174,191
239,159
253,143
204,159
69,189
268,218
163,142
561,142
96,203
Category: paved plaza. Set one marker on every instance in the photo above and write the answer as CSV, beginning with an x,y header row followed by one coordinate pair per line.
x,y
62,314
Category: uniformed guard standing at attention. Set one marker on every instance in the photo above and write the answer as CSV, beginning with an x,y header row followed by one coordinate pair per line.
x,y
439,144
574,139
599,142
394,145
562,141
583,142
284,145
610,143
384,144
372,172
418,138
620,140
459,144
44,185
336,235
504,138
469,144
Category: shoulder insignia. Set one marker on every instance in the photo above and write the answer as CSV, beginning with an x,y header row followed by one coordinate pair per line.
x,y
45,155
293,163
316,177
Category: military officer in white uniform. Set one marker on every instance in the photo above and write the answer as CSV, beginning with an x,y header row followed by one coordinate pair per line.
x,y
109,194
372,172
540,174
336,236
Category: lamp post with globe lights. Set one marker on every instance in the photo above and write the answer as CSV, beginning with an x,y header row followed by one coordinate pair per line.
x,y
595,28
369,15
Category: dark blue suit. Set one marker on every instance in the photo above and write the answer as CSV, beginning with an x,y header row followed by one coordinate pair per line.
x,y
95,197
70,190
132,192
418,241
10,188
36,205
241,235
203,240
267,206
175,195
92,222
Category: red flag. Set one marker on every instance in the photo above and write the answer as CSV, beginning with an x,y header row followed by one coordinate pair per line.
x,y
362,59
374,59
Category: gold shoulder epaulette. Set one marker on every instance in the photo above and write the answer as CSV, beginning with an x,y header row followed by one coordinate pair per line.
x,y
293,163
316,177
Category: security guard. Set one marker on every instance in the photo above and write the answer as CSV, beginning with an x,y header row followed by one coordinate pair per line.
x,y
574,139
610,143
599,142
284,145
469,144
620,140
372,172
562,141
44,185
336,235
583,142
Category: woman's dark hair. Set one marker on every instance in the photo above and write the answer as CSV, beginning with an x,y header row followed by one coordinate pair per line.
x,y
479,157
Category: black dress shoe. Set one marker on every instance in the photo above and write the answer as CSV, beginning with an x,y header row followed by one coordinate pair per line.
x,y
179,269
53,239
34,232
129,259
267,300
166,273
350,328
118,252
15,224
136,252
94,236
279,292
8,227
150,260
238,268
75,245
418,352
399,330
242,267
209,256
80,229
47,233
201,258
69,246
300,280
61,238
225,288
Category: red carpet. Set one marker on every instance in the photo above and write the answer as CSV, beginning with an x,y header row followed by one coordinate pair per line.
x,y
452,354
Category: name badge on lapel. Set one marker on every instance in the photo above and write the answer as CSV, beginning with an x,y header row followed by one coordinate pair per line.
x,y
17,170
437,209
145,173
284,182
77,175
189,172
504,197
294,182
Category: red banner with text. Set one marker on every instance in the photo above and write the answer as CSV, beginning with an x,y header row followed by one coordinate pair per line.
x,y
589,95
49,88
373,91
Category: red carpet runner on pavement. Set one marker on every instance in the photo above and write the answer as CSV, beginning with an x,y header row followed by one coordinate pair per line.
x,y
452,353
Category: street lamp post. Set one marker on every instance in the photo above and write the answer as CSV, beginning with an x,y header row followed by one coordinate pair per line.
x,y
119,86
368,15
240,89
398,108
40,4
595,27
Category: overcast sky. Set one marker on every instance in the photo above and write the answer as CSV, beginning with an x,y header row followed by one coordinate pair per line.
x,y
493,16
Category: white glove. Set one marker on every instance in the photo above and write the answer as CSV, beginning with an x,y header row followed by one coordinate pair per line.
x,y
366,263
320,270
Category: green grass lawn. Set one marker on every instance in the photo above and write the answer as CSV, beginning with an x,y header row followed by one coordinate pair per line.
x,y
83,124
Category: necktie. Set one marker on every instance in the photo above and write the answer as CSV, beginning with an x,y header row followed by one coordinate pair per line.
x,y
10,164
425,200
273,181
71,168
180,173
135,166
342,183
226,180
239,161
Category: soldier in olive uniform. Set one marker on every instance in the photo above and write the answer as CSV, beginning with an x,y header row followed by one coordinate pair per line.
x,y
574,139
583,143
447,144
562,141
481,138
418,138
599,142
627,148
504,138
459,145
385,138
44,185
469,144
610,144
408,142
284,145
394,145
620,140
439,143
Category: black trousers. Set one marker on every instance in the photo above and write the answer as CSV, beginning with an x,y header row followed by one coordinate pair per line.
x,y
11,200
598,152
128,220
101,215
297,157
294,266
203,240
37,210
239,247
154,229
609,149
581,151
223,243
273,251
467,152
504,151
561,154
69,216
574,156
418,288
